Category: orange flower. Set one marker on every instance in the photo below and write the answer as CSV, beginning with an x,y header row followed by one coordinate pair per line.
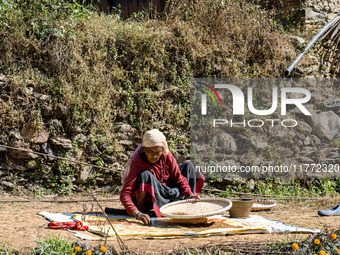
x,y
316,241
73,254
338,250
103,249
295,246
88,252
333,236
322,252
77,248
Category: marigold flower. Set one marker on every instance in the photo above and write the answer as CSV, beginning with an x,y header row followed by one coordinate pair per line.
x,y
295,246
322,252
316,241
333,236
88,252
103,249
338,250
73,254
77,248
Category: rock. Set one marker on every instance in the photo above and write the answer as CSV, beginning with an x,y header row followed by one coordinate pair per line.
x,y
61,112
181,148
250,159
4,166
34,135
73,129
306,160
16,135
22,151
110,159
327,124
83,246
123,157
304,127
224,142
61,142
47,149
124,128
284,152
3,79
297,41
330,153
279,131
125,142
85,173
312,16
102,180
333,105
3,139
307,141
55,125
7,185
180,159
258,142
81,139
299,113
41,97
316,139
233,180
307,151
46,111
251,184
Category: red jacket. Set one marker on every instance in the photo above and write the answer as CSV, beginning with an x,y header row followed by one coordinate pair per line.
x,y
171,175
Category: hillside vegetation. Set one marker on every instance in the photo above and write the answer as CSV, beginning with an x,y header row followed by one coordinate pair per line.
x,y
71,70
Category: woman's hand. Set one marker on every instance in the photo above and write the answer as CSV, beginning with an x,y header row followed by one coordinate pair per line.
x,y
192,196
145,218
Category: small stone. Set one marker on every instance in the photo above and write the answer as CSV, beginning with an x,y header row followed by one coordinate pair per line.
x,y
81,139
258,142
85,174
47,149
61,142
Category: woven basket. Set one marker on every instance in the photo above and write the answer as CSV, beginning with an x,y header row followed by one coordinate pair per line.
x,y
195,209
241,207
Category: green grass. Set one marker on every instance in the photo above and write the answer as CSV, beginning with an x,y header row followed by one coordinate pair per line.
x,y
52,245
320,187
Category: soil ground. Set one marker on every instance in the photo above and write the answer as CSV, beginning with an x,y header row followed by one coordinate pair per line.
x,y
21,225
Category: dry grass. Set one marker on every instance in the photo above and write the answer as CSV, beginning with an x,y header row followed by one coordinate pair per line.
x,y
92,62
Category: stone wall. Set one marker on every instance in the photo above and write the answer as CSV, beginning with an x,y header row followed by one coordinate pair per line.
x,y
311,11
316,10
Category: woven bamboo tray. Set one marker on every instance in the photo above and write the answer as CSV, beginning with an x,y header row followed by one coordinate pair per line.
x,y
262,205
195,209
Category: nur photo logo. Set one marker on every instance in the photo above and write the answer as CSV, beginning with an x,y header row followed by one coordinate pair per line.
x,y
278,100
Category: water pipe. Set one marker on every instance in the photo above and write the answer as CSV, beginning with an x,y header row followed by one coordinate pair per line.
x,y
310,44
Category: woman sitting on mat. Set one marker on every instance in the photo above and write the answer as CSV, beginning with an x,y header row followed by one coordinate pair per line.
x,y
153,178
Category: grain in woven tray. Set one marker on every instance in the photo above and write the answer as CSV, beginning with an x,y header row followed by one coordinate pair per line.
x,y
195,208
